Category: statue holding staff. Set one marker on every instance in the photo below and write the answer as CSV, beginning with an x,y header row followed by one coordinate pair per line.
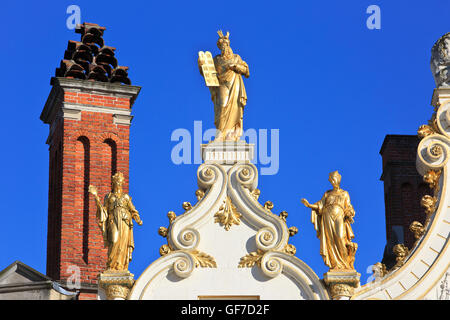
x,y
115,219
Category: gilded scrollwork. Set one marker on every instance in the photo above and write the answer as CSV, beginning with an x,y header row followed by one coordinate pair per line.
x,y
227,214
265,242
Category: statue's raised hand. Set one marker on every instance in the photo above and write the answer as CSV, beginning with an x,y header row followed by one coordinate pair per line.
x,y
93,190
305,202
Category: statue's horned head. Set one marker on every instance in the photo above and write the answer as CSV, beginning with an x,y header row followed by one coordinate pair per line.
x,y
335,178
118,178
224,41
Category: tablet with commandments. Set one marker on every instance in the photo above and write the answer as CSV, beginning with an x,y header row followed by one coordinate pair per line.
x,y
208,68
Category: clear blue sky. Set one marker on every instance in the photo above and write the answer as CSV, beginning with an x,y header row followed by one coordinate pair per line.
x,y
331,86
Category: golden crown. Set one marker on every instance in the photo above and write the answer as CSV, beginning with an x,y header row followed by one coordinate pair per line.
x,y
118,177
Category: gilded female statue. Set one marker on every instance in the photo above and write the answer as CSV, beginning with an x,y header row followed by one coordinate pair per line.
x,y
115,219
229,96
332,216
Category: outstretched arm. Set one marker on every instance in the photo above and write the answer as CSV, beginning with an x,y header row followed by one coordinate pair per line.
x,y
311,206
101,211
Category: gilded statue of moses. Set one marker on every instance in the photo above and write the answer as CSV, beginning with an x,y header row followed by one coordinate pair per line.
x,y
223,76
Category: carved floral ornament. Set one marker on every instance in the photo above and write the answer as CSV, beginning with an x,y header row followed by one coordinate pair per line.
x,y
227,214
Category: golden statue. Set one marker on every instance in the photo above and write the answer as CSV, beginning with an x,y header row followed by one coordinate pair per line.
x,y
223,76
332,216
115,221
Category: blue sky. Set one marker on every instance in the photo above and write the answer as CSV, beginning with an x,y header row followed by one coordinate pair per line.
x,y
331,86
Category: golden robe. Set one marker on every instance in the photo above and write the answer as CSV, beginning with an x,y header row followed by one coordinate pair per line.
x,y
332,223
115,220
229,99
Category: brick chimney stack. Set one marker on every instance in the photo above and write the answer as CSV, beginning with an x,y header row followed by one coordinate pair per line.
x,y
403,189
89,114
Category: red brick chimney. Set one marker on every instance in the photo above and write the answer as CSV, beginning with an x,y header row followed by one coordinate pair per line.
x,y
89,113
403,189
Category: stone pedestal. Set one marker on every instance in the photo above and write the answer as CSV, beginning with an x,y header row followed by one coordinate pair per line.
x,y
341,284
227,152
115,285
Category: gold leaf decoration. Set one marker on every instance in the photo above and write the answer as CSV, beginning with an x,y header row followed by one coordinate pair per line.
x,y
268,205
401,252
165,249
432,178
256,193
429,203
162,231
293,231
251,259
199,194
227,214
290,249
203,260
171,215
186,206
417,229
424,131
283,215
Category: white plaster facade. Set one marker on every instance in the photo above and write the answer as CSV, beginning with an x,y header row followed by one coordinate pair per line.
x,y
279,275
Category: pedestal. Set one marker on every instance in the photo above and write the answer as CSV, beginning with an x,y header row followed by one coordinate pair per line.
x,y
341,284
227,152
115,285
